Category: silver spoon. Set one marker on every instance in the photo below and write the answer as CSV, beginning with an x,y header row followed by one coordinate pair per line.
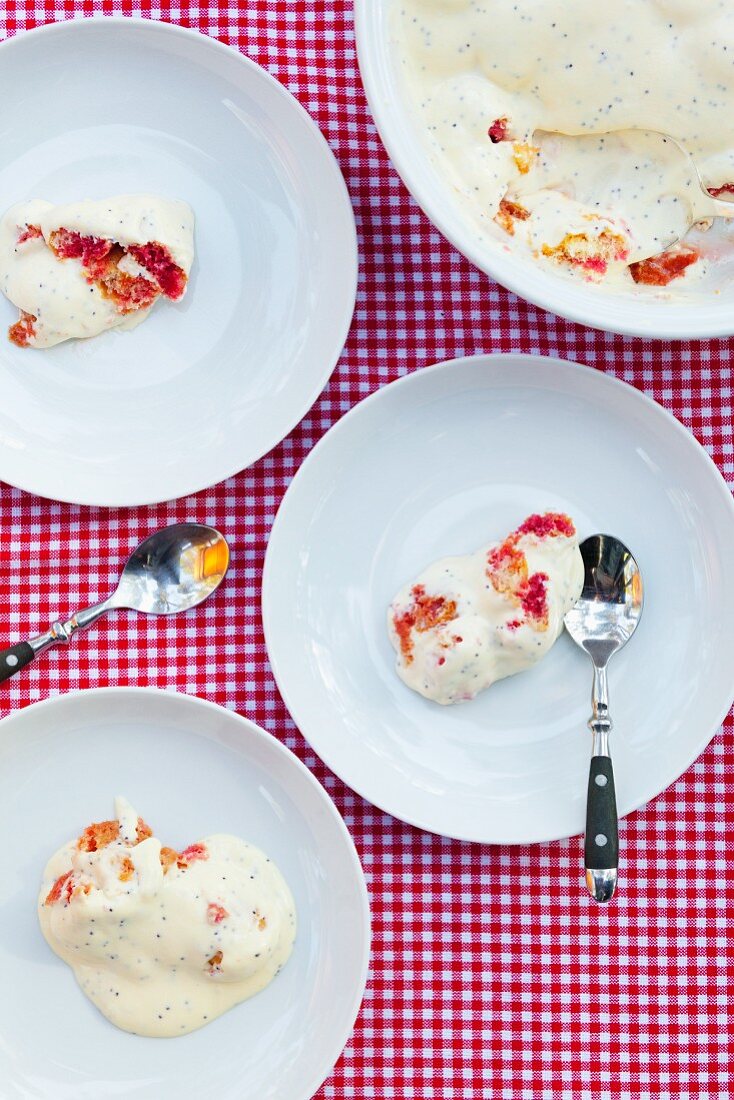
x,y
703,203
172,570
602,621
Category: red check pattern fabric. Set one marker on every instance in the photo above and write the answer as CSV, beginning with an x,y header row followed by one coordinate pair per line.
x,y
493,976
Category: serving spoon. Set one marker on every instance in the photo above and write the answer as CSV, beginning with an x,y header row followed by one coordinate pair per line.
x,y
172,570
601,622
703,204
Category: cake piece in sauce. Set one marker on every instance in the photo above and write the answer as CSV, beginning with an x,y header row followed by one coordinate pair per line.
x,y
80,269
162,940
469,621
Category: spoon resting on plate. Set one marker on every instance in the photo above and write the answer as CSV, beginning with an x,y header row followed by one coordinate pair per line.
x,y
172,570
601,622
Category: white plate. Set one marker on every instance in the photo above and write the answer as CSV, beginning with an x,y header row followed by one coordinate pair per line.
x,y
204,388
688,315
190,768
439,463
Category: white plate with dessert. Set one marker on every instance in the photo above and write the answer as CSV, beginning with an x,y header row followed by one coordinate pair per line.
x,y
539,142
216,919
178,262
426,552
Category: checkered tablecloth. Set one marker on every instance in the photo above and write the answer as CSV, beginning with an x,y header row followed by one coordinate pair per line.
x,y
493,975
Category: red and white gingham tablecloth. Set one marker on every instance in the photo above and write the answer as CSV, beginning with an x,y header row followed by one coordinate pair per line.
x,y
489,973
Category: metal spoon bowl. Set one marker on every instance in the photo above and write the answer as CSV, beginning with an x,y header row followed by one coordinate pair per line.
x,y
704,204
601,622
172,570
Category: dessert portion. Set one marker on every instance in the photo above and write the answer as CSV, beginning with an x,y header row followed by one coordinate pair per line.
x,y
578,128
80,269
469,621
164,941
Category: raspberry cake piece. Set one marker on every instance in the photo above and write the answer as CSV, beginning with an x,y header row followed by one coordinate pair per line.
x,y
469,621
662,269
134,247
79,269
592,250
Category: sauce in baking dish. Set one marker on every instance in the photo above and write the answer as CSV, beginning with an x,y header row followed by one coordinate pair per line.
x,y
550,119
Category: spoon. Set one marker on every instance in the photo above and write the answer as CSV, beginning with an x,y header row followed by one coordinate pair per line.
x,y
603,619
172,570
681,175
703,204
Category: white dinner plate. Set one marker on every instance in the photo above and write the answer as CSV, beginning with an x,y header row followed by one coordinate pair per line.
x,y
442,462
205,387
191,769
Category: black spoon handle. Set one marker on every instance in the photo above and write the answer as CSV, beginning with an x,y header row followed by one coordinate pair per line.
x,y
601,845
15,658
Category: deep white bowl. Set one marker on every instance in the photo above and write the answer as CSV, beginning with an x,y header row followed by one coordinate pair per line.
x,y
689,315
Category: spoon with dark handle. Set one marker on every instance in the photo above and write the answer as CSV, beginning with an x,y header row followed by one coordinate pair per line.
x,y
172,570
601,622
